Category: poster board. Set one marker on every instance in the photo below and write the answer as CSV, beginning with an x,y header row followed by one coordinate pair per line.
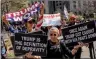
x,y
25,43
85,32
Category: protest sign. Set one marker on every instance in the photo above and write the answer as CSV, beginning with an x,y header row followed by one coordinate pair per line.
x,y
25,43
85,32
51,19
12,40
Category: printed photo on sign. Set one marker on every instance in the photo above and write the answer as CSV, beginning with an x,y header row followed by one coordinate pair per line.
x,y
25,43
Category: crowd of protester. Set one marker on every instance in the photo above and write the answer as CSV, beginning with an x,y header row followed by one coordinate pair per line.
x,y
55,47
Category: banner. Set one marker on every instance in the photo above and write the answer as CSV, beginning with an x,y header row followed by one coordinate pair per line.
x,y
85,32
51,19
18,16
24,43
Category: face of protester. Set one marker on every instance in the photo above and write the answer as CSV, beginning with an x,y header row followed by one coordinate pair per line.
x,y
54,34
72,20
49,27
29,26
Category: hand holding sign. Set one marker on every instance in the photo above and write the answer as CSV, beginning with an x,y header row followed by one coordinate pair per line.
x,y
29,55
75,49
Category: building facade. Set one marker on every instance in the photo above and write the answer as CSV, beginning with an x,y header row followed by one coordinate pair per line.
x,y
76,6
51,6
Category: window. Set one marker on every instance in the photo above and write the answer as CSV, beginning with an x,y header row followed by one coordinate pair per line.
x,y
74,2
59,3
79,4
74,6
56,1
61,8
56,4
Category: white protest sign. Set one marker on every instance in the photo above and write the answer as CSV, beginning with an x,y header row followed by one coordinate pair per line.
x,y
51,19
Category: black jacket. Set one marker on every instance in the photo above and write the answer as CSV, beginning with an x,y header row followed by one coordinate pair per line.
x,y
78,53
58,51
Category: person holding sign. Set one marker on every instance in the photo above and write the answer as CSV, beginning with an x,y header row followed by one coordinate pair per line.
x,y
72,21
30,25
56,48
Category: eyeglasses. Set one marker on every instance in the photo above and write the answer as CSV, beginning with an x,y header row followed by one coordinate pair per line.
x,y
52,34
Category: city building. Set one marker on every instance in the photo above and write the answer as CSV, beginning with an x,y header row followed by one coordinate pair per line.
x,y
52,6
76,6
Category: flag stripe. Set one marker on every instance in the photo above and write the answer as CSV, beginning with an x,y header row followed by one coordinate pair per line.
x,y
39,23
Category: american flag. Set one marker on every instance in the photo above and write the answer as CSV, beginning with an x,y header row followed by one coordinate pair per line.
x,y
40,21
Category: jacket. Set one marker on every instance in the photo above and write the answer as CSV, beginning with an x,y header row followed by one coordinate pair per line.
x,y
57,51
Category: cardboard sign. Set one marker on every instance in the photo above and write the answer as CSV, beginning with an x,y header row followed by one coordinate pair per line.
x,y
25,43
85,32
51,19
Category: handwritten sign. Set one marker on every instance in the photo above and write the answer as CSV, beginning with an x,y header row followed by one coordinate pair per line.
x,y
85,32
25,43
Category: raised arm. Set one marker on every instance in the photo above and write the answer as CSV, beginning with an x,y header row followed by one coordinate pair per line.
x,y
42,9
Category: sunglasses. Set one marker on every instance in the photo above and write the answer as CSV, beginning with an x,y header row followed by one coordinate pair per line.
x,y
52,34
11,48
30,22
